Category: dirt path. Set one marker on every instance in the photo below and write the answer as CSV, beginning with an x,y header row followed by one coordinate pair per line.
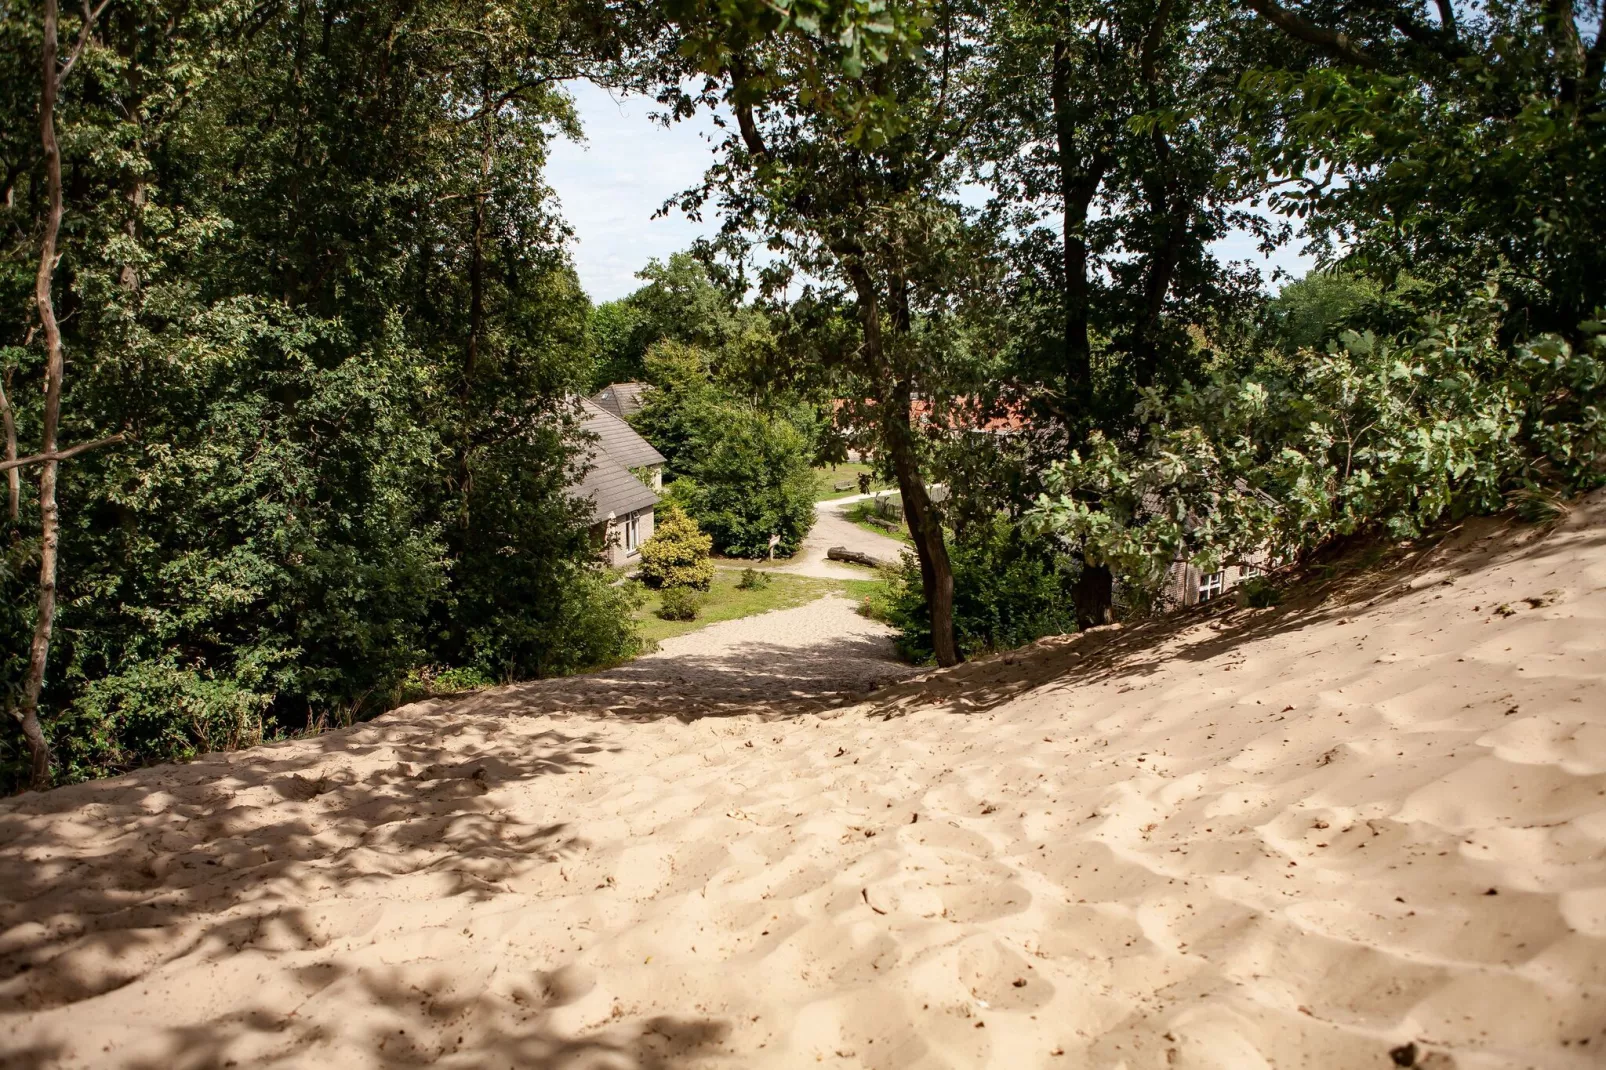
x,y
833,528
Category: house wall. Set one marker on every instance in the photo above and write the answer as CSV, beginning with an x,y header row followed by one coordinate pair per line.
x,y
1182,581
611,537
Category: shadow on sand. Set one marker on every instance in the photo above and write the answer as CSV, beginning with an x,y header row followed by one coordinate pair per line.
x,y
104,882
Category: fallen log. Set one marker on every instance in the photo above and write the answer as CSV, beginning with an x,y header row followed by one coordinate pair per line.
x,y
855,557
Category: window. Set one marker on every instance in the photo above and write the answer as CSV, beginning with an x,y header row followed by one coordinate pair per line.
x,y
1212,585
632,533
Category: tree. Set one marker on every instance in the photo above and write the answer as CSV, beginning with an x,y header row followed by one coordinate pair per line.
x,y
744,472
1111,160
681,304
311,268
53,74
852,182
1458,146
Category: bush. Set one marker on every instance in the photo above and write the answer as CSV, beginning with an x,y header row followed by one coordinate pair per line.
x,y
1372,435
154,712
677,553
1010,588
680,603
1258,592
752,580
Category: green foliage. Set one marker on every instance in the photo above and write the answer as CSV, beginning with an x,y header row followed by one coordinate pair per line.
x,y
680,305
753,580
1309,311
680,603
677,553
1373,434
1258,592
339,325
154,712
1010,587
1456,153
744,473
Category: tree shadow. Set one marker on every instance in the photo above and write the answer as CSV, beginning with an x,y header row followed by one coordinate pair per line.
x,y
103,883
1353,578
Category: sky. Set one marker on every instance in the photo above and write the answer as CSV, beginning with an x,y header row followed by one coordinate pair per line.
x,y
611,185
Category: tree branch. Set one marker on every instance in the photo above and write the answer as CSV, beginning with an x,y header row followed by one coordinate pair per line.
x,y
1335,43
495,105
84,33
61,455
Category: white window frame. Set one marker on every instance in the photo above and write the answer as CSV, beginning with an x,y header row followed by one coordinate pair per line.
x,y
633,533
1212,585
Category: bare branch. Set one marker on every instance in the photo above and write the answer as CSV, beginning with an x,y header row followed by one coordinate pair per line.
x,y
1336,43
498,103
84,33
60,455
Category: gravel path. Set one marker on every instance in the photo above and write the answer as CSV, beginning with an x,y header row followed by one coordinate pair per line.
x,y
788,661
833,528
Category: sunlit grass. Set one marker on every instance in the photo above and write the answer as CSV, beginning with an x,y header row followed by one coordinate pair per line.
x,y
827,479
725,601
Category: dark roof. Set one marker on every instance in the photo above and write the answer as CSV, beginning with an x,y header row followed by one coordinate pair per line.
x,y
609,483
613,489
621,399
617,438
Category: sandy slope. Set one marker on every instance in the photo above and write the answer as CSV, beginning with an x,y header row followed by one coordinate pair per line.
x,y
1295,838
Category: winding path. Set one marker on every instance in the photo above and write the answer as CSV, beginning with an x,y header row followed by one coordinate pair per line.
x,y
833,528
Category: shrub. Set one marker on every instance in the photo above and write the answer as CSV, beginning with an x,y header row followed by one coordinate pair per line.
x,y
1374,434
680,603
1258,592
154,712
677,553
753,580
1010,588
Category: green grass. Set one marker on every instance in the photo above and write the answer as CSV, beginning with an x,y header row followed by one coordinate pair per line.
x,y
826,480
725,601
859,513
870,595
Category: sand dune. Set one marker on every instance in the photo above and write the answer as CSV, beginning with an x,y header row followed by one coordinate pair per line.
x,y
1372,821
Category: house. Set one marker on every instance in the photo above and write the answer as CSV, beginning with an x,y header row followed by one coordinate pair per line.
x,y
624,400
621,484
1186,585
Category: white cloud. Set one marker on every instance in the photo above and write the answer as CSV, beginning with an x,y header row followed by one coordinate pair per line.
x,y
610,187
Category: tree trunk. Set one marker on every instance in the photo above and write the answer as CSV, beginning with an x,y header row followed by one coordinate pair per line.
x,y
1079,183
13,476
898,440
49,519
1094,596
925,527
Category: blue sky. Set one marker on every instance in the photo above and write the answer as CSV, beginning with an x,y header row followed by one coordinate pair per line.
x,y
611,185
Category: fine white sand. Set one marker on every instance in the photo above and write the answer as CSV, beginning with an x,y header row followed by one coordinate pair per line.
x,y
1298,837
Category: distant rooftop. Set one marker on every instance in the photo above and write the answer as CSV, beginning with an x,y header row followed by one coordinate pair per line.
x,y
621,399
611,486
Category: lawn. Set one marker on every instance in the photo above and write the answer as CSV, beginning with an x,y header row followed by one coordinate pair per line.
x,y
860,512
826,480
726,601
